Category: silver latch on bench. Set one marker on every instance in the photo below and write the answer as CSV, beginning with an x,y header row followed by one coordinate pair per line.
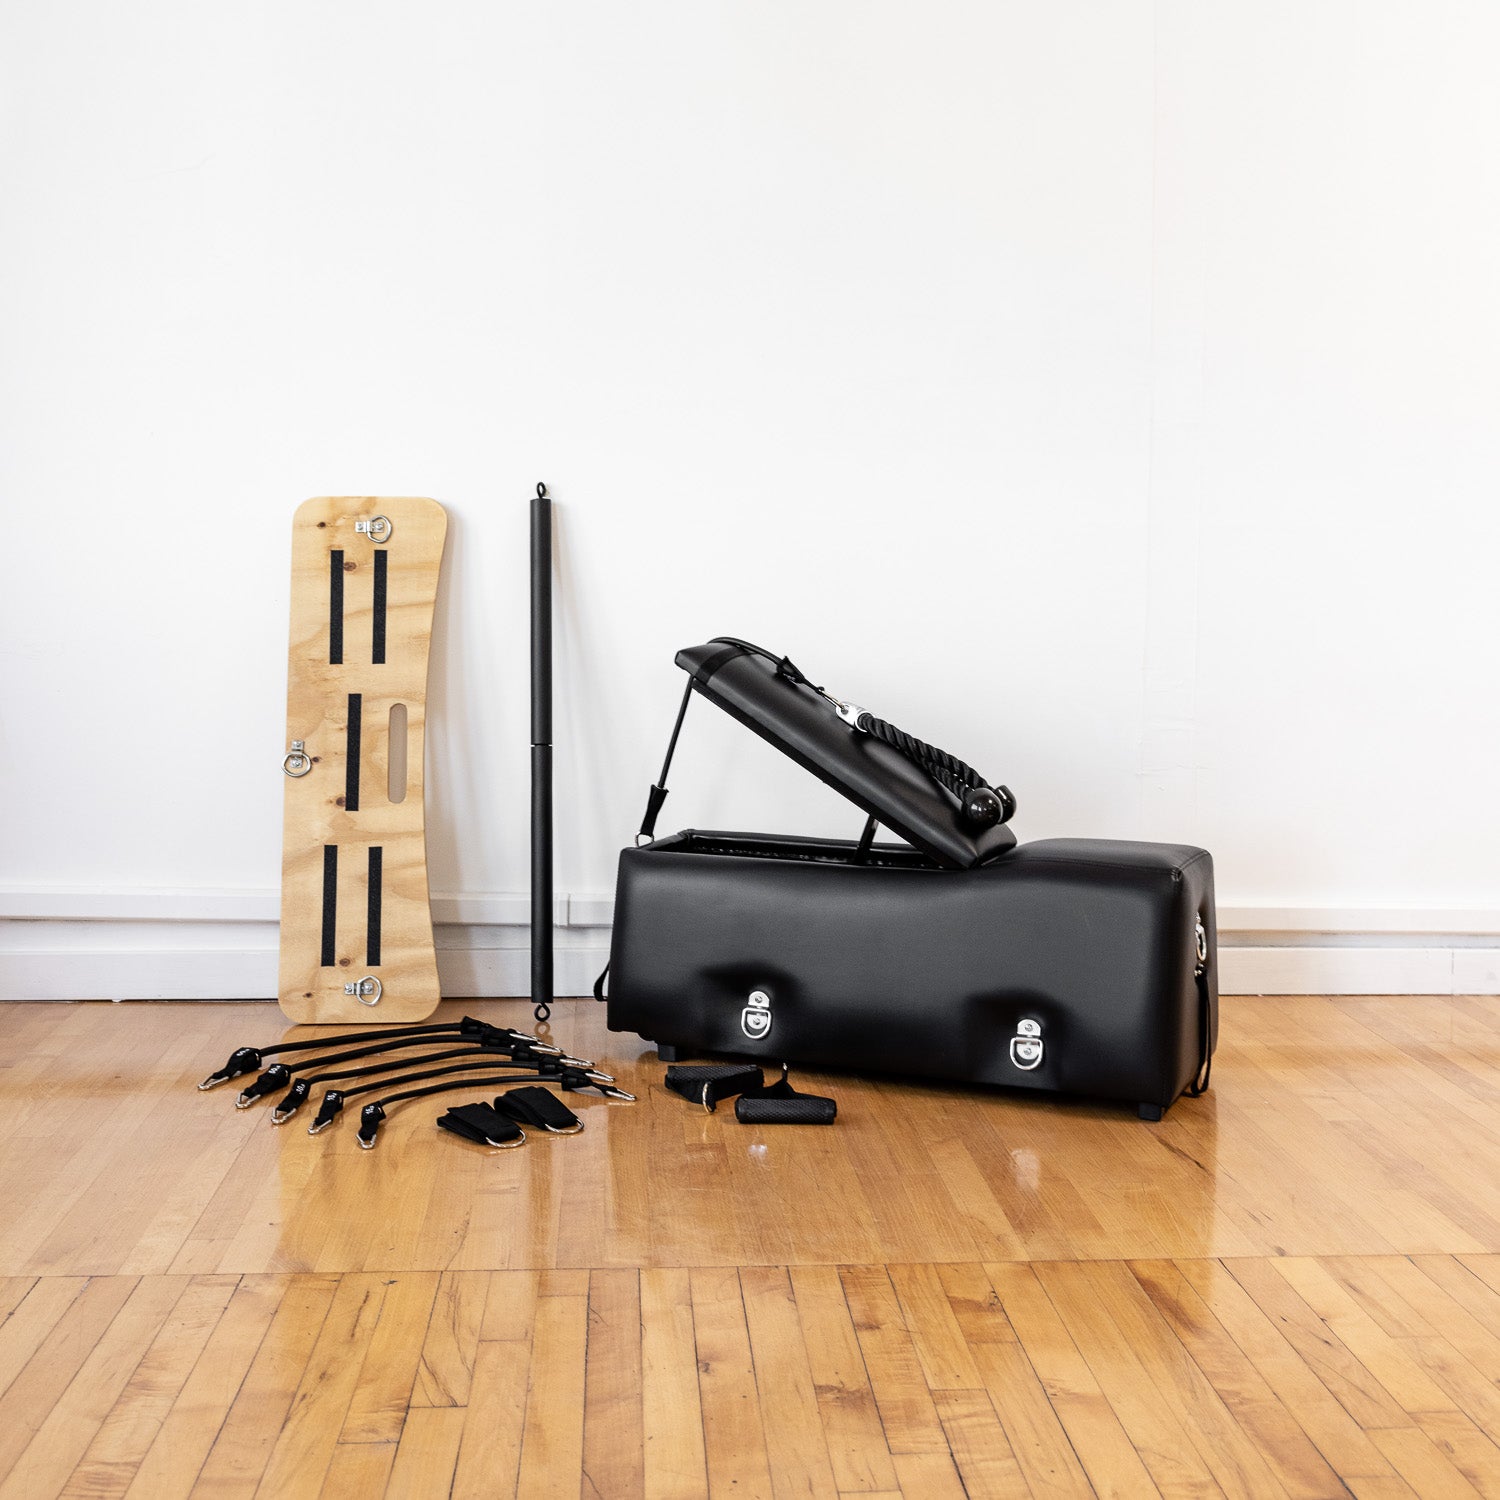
x,y
1026,1045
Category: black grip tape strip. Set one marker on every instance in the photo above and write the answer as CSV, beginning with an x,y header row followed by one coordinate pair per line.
x,y
372,909
377,626
351,755
335,608
330,904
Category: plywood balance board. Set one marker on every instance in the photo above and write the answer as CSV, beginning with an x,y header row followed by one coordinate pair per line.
x,y
356,924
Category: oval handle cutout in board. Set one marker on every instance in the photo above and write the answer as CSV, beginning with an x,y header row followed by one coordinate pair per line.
x,y
396,754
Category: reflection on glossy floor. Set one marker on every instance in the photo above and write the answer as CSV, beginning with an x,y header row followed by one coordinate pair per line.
x,y
1291,1286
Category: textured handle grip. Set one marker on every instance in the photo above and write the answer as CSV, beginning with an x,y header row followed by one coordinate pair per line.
x,y
806,1109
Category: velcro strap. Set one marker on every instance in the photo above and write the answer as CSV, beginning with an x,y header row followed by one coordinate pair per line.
x,y
709,1083
781,1104
540,1107
481,1124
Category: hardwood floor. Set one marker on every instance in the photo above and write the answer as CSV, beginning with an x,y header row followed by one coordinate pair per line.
x,y
1289,1287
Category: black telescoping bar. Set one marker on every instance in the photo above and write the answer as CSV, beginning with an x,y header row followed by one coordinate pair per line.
x,y
541,753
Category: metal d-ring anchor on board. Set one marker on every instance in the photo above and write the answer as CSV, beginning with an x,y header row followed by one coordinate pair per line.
x,y
297,762
377,528
367,990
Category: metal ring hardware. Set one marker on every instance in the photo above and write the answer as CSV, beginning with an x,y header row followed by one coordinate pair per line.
x,y
377,528
297,762
367,990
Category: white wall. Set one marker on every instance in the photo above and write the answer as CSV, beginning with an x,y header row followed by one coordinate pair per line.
x,y
1105,391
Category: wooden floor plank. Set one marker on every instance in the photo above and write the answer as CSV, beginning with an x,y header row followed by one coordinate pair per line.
x,y
1104,1449
13,1291
552,1437
1042,1448
1262,1338
126,1434
846,1403
1293,1457
1221,1442
304,1445
489,1453
259,1407
30,1322
452,1339
902,1396
382,1393
933,1476
1321,1350
981,1451
358,1471
1156,1428
674,1464
1409,1385
613,1414
1429,1472
795,1444
170,1467
61,1436
734,1438
947,1363
58,1357
427,1453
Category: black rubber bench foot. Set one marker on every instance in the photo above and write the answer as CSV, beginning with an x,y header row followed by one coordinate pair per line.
x,y
1149,1111
668,1054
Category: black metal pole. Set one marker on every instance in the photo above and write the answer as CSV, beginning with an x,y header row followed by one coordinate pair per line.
x,y
541,753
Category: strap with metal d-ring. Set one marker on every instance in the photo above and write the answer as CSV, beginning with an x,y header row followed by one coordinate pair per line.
x,y
1199,1085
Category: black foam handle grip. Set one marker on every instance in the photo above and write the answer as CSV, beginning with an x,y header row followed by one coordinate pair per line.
x,y
801,1109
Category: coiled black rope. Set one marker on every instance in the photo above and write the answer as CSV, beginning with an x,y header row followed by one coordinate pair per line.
x,y
981,803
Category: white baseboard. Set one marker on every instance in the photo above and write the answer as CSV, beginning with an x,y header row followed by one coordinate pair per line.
x,y
93,943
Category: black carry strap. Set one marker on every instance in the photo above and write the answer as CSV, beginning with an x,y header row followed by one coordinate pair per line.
x,y
1199,1086
781,1104
599,994
482,1124
711,1082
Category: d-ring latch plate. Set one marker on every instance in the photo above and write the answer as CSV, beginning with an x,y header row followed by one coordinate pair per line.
x,y
377,528
367,990
297,762
1026,1045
